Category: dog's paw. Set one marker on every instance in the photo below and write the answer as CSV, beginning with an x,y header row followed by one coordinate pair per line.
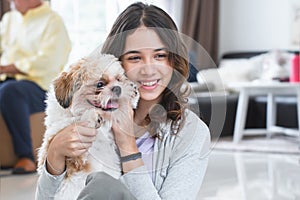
x,y
135,95
93,117
98,121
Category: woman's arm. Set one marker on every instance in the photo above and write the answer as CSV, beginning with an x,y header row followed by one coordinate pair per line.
x,y
125,138
72,141
183,176
48,185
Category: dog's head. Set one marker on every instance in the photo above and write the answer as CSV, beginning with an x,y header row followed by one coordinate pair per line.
x,y
96,82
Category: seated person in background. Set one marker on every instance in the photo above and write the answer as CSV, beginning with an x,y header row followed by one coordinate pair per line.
x,y
35,46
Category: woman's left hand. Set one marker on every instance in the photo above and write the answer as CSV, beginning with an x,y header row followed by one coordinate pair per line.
x,y
123,129
124,136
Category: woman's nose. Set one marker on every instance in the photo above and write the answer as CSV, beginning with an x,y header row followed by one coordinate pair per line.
x,y
148,66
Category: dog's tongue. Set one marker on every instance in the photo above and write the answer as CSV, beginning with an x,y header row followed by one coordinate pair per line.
x,y
112,104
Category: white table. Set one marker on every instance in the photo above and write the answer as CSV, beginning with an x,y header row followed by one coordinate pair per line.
x,y
271,89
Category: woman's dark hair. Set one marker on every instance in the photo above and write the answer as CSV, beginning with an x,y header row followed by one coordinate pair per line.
x,y
174,98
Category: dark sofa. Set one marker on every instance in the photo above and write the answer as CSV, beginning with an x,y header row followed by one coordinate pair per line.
x,y
222,123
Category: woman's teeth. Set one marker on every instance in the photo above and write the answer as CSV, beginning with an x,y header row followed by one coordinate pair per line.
x,y
149,83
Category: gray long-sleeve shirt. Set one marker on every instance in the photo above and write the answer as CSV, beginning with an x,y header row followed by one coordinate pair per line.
x,y
179,164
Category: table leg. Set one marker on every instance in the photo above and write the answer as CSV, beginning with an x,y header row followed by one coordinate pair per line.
x,y
271,114
241,115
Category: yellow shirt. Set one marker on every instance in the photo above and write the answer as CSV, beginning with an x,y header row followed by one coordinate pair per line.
x,y
37,43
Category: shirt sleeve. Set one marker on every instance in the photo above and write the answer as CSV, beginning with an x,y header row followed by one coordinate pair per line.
x,y
184,175
54,48
48,184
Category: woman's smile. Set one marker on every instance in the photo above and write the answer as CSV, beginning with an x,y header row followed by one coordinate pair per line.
x,y
149,85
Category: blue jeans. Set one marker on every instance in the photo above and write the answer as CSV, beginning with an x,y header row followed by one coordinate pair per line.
x,y
18,100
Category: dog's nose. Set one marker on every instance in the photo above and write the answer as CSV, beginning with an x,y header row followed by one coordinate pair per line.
x,y
116,90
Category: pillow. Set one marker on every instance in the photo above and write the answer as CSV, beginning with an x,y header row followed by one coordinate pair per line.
x,y
260,68
229,71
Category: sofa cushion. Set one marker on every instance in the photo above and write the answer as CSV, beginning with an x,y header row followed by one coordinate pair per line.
x,y
7,156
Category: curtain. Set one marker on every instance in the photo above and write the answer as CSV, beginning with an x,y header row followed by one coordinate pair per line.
x,y
4,7
200,22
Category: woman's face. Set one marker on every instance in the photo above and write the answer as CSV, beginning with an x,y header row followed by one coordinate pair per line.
x,y
145,60
24,5
21,5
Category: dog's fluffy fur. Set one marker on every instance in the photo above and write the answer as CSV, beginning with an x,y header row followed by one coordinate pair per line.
x,y
92,90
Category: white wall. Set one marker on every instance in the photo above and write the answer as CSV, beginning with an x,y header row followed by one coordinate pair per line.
x,y
247,25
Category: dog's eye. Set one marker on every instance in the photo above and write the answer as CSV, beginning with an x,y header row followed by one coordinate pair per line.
x,y
100,85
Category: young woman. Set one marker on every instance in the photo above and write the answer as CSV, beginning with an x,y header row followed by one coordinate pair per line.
x,y
173,141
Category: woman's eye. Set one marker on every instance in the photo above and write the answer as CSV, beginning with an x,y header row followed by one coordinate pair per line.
x,y
134,58
100,85
161,56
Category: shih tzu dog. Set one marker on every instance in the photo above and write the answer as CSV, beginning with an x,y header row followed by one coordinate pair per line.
x,y
94,89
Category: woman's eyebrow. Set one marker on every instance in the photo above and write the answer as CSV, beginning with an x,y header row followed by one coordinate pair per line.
x,y
161,49
129,52
136,51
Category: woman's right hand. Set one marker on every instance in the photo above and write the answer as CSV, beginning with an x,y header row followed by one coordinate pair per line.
x,y
72,141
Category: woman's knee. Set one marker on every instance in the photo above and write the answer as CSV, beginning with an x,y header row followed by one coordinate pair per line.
x,y
102,179
8,90
100,185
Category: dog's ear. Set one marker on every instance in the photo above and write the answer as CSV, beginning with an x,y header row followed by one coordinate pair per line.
x,y
66,84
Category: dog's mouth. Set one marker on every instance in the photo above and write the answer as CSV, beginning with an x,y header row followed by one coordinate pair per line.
x,y
111,105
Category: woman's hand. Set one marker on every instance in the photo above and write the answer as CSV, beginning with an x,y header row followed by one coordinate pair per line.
x,y
10,69
124,136
123,130
72,141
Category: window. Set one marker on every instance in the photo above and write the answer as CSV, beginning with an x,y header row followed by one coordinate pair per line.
x,y
89,21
